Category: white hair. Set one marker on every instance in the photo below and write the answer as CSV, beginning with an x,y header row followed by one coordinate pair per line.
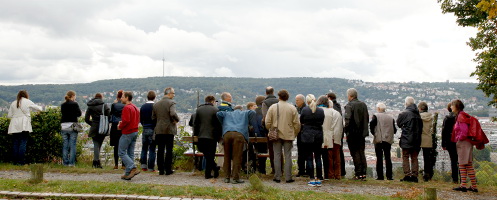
x,y
409,101
300,96
311,101
381,106
352,92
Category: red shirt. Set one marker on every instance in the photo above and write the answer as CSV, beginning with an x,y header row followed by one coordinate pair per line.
x,y
129,119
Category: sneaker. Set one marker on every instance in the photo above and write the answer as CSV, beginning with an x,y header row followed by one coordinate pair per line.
x,y
227,180
460,188
290,181
472,189
276,180
311,183
144,169
237,181
317,183
116,167
414,179
406,179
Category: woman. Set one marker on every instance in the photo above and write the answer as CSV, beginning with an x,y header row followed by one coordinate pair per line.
x,y
312,119
427,140
447,144
332,138
94,111
70,113
464,147
20,124
115,111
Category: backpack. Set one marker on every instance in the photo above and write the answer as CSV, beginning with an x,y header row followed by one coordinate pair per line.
x,y
476,135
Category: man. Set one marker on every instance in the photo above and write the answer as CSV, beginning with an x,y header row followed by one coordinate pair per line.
x,y
283,116
270,100
336,106
208,130
148,144
128,125
165,113
382,126
226,102
261,147
235,135
356,127
299,105
409,121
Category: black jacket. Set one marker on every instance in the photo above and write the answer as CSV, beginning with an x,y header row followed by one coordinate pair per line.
x,y
356,120
447,126
312,126
411,124
116,110
94,111
337,106
70,111
206,125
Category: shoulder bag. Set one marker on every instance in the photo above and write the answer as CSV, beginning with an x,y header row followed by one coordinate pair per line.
x,y
76,126
273,132
103,127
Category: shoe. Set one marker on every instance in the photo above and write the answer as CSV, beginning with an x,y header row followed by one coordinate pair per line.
x,y
311,183
237,181
276,180
317,183
227,180
414,179
462,189
170,172
356,178
116,167
144,169
363,178
406,179
216,171
390,179
472,189
161,173
152,170
132,174
290,181
123,167
380,179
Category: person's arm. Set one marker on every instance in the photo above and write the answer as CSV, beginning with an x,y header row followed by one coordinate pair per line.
x,y
372,124
173,114
220,116
338,130
445,135
347,118
296,122
87,116
264,110
78,110
125,118
33,106
268,121
253,122
196,124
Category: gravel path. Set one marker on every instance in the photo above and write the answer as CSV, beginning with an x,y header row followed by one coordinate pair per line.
x,y
188,178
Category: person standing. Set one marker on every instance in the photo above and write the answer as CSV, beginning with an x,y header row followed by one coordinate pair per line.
x,y
356,127
382,126
426,140
261,147
20,125
284,116
268,102
336,106
148,144
164,112
207,128
312,118
92,117
129,127
115,116
332,138
447,144
464,147
301,151
409,121
70,112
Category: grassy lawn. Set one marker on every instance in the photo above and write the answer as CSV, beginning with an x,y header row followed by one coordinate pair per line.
x,y
80,168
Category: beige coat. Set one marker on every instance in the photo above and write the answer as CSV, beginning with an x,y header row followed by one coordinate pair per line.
x,y
20,118
332,128
165,113
426,138
288,123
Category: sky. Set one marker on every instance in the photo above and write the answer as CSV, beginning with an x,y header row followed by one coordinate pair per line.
x,y
60,41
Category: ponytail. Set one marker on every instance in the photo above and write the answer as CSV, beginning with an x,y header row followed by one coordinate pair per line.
x,y
311,102
69,95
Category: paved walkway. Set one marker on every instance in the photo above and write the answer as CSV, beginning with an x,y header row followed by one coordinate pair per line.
x,y
84,196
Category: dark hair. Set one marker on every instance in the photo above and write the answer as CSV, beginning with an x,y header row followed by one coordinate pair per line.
x,y
259,100
209,99
151,95
448,107
99,96
20,95
283,94
269,90
119,94
423,106
69,95
323,100
332,96
128,95
458,104
238,107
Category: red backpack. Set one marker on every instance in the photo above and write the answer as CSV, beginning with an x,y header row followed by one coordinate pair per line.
x,y
476,135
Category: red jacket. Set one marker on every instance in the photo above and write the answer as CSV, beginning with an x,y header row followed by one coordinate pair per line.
x,y
468,128
130,119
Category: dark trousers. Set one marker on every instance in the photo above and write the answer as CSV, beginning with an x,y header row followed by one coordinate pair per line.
x,y
164,142
451,148
261,162
208,147
233,149
313,153
411,167
301,156
357,152
326,162
380,150
334,170
20,141
428,165
342,161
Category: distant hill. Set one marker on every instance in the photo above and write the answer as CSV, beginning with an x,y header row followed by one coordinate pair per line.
x,y
244,90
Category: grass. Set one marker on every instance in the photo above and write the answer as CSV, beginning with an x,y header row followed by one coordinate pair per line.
x,y
80,168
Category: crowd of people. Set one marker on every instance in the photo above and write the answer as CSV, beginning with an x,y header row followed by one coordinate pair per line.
x,y
318,125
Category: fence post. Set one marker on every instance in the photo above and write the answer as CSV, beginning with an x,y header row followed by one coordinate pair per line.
x,y
36,173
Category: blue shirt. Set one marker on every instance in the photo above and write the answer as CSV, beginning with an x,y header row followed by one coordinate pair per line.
x,y
237,121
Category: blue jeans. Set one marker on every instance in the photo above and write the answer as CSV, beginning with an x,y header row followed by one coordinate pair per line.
x,y
127,149
20,140
69,147
148,144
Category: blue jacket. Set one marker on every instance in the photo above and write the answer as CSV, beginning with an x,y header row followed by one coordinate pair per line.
x,y
237,121
146,116
225,106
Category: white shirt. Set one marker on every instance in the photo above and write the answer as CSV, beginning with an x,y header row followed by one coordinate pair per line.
x,y
20,118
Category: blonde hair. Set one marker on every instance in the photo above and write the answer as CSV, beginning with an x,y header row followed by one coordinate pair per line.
x,y
69,95
311,102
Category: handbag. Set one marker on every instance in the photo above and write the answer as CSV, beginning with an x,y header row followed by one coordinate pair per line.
x,y
103,127
76,127
273,132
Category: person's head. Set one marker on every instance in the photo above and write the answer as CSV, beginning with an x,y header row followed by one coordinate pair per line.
x,y
119,95
210,99
127,97
300,100
169,92
70,95
456,106
226,96
311,101
423,107
151,95
99,96
449,107
381,107
331,96
20,95
323,100
251,106
351,94
269,90
259,100
283,95
238,107
409,101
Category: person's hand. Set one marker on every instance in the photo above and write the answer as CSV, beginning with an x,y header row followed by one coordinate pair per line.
x,y
119,124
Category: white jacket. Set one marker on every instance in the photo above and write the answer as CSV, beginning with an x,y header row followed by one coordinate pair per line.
x,y
20,118
332,128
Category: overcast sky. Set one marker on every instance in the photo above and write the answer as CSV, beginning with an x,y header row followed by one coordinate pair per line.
x,y
372,40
